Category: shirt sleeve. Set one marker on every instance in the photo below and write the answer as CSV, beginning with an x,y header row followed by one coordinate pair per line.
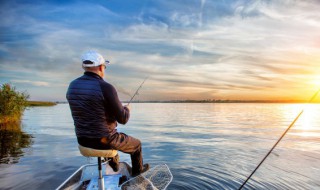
x,y
112,103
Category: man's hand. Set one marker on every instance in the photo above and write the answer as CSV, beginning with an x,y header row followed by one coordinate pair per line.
x,y
128,106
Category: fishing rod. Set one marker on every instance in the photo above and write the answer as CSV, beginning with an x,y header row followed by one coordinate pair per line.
x,y
284,133
137,90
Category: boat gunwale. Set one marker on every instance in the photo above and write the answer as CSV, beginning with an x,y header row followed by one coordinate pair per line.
x,y
73,174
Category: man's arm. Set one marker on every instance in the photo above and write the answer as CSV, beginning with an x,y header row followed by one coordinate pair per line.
x,y
121,113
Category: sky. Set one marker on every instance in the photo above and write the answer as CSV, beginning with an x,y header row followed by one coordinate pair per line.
x,y
189,49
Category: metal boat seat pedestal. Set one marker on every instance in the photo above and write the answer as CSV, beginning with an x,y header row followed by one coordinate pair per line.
x,y
90,152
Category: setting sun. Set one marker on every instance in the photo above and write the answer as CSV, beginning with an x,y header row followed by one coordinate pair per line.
x,y
316,82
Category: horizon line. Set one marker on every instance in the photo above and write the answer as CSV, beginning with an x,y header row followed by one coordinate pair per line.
x,y
212,101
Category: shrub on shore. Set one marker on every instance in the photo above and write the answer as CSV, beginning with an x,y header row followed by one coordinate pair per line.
x,y
12,104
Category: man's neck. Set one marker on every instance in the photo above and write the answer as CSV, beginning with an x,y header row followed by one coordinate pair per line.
x,y
96,72
92,73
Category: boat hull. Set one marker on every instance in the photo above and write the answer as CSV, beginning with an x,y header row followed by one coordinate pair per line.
x,y
86,175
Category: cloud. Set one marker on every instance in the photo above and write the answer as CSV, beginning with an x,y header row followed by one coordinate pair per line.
x,y
34,83
211,47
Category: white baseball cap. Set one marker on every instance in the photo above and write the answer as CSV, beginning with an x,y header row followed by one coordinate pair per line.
x,y
93,57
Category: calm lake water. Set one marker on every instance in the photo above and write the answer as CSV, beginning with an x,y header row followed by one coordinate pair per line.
x,y
206,146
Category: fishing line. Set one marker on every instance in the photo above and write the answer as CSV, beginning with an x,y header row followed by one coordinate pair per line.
x,y
137,90
313,97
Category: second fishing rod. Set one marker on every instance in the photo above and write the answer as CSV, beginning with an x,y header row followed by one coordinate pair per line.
x,y
283,134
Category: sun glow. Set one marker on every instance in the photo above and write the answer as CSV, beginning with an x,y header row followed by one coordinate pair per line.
x,y
308,124
307,117
308,120
316,82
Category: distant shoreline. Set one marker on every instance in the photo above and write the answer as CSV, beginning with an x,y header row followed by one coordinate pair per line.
x,y
216,101
221,101
40,103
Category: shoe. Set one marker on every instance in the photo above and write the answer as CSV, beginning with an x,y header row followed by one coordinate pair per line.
x,y
146,167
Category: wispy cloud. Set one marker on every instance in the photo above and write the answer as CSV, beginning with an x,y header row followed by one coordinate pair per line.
x,y
234,49
34,83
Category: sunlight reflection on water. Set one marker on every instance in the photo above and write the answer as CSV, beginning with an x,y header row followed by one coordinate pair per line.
x,y
206,146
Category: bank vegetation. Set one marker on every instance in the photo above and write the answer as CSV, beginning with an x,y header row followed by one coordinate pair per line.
x,y
12,104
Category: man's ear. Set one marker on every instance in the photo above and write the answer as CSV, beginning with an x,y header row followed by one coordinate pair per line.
x,y
100,68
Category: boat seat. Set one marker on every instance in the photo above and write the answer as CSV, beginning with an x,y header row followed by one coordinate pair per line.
x,y
90,152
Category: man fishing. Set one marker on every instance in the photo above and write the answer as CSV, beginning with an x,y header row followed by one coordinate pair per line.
x,y
97,110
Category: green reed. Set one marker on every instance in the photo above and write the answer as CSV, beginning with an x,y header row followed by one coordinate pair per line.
x,y
12,104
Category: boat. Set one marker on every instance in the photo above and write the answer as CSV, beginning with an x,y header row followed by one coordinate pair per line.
x,y
87,178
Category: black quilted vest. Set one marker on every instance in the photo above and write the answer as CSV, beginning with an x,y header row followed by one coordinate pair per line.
x,y
89,107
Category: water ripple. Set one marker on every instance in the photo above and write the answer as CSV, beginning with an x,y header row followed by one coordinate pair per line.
x,y
206,146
